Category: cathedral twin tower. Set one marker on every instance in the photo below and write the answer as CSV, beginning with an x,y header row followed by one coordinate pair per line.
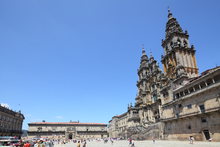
x,y
179,63
176,103
179,55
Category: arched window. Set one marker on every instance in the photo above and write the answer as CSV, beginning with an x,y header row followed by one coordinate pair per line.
x,y
178,42
185,43
171,44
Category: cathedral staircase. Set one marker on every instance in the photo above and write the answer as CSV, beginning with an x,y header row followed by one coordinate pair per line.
x,y
142,132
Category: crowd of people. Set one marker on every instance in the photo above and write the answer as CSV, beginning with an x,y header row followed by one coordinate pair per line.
x,y
40,142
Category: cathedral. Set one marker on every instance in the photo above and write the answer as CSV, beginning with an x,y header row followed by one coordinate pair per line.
x,y
175,103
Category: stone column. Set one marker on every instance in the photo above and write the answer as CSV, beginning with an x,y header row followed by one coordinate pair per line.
x,y
189,60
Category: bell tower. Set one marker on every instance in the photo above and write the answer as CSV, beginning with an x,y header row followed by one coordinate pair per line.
x,y
178,51
141,83
148,85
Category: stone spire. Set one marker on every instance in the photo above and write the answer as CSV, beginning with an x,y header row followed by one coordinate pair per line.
x,y
177,48
172,25
151,56
144,56
143,51
170,15
142,76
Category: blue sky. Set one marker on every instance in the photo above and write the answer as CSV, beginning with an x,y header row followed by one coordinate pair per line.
x,y
63,60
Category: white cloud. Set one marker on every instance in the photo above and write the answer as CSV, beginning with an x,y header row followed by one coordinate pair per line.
x,y
5,105
59,117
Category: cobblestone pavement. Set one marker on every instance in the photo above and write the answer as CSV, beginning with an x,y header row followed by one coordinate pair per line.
x,y
146,144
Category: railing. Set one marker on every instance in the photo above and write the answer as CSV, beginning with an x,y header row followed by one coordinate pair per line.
x,y
191,114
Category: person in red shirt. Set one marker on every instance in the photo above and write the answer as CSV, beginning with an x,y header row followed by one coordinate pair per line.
x,y
27,144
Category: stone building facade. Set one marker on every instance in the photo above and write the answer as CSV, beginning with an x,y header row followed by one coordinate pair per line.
x,y
67,130
10,122
176,103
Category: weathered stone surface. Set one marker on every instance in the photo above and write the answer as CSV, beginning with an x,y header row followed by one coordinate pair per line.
x,y
10,122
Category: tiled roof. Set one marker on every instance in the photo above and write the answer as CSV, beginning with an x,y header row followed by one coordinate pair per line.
x,y
202,75
206,72
67,123
210,70
121,115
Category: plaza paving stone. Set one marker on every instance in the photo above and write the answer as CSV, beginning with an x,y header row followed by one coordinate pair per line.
x,y
146,144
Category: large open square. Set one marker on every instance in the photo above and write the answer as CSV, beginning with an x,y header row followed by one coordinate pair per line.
x,y
145,144
101,70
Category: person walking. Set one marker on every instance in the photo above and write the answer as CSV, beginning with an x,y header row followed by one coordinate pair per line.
x,y
130,141
84,144
78,144
27,144
191,139
40,144
153,139
112,141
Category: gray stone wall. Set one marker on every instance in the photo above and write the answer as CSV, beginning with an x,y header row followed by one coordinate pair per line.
x,y
67,130
10,122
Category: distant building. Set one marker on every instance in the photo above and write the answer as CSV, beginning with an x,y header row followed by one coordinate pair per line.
x,y
10,122
67,130
176,103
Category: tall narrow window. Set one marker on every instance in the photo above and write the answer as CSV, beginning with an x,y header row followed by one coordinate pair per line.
x,y
203,120
185,43
178,42
189,106
202,108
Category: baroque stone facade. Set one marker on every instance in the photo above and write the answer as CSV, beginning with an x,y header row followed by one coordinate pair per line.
x,y
176,103
67,130
10,122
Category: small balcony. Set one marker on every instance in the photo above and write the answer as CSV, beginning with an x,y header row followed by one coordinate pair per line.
x,y
134,117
